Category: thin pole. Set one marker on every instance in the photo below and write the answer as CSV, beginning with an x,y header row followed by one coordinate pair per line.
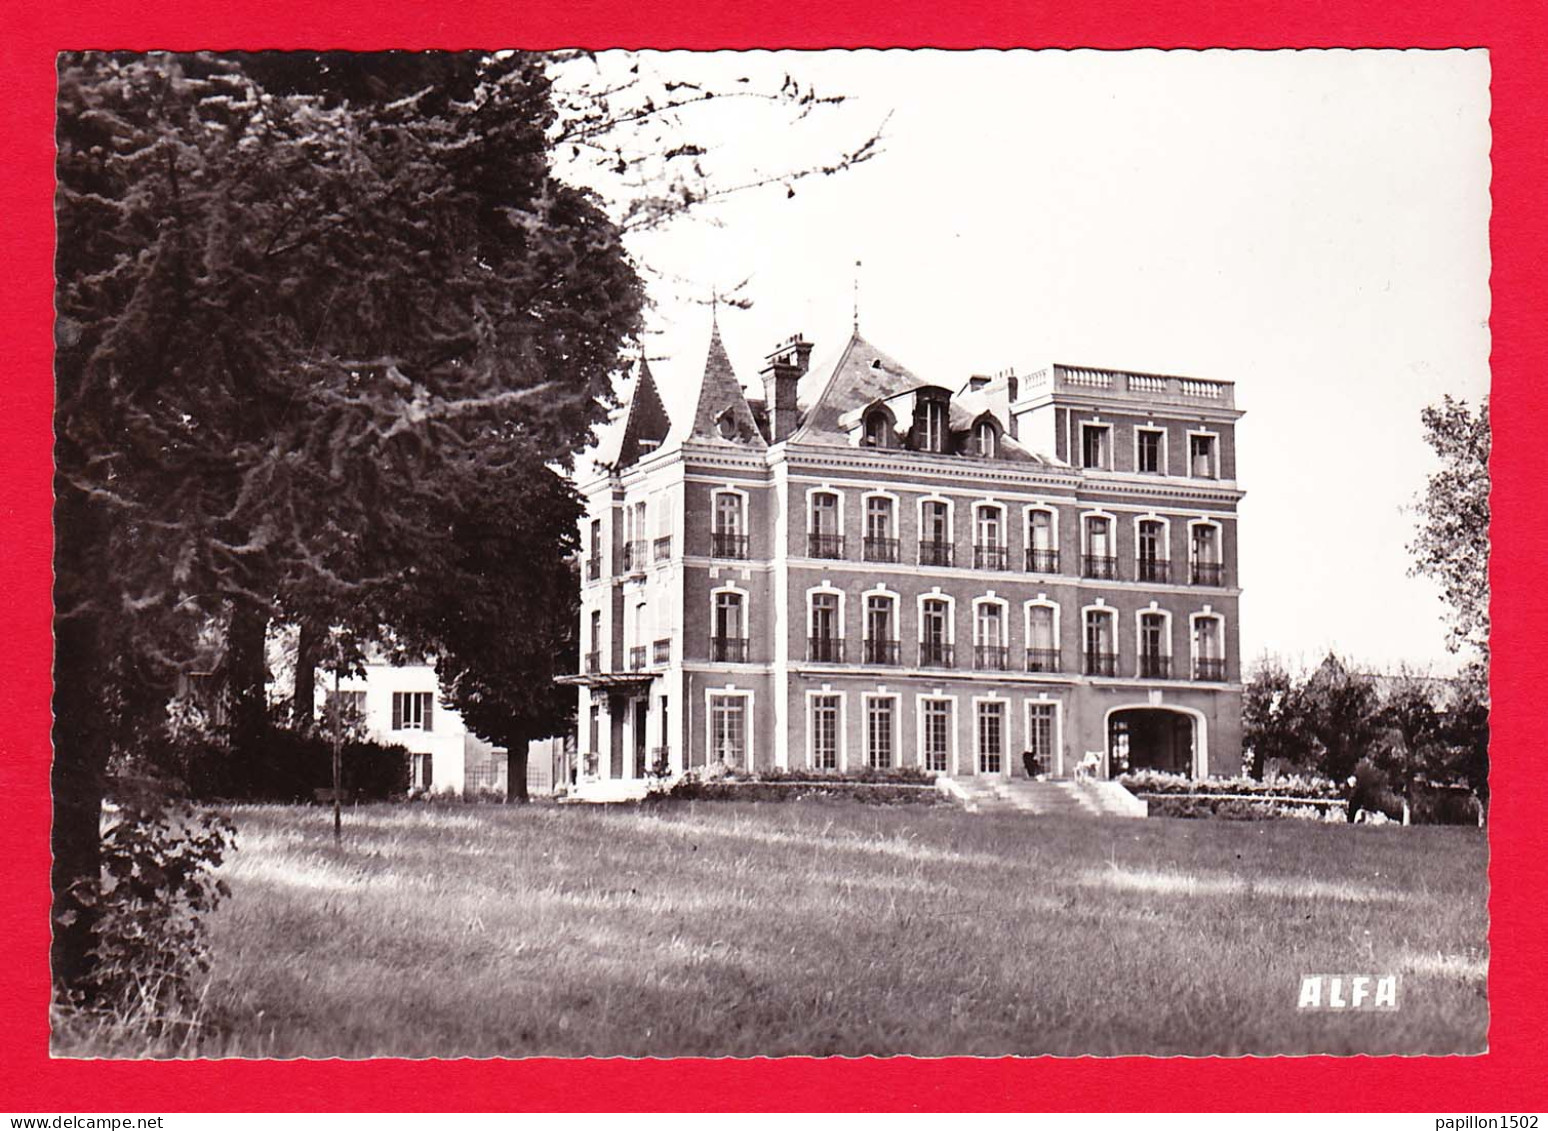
x,y
857,296
338,762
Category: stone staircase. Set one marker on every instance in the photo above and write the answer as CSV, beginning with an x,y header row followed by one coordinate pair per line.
x,y
1083,797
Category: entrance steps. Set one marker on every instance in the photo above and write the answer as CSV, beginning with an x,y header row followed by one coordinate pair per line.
x,y
1080,797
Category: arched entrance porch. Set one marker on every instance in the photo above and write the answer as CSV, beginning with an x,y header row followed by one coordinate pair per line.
x,y
1168,739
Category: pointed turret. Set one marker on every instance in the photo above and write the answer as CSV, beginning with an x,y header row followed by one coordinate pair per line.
x,y
722,412
647,422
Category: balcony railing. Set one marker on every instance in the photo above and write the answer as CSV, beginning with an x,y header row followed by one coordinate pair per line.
x,y
937,553
728,545
991,657
1102,566
593,663
637,658
935,654
1042,561
1209,669
1153,569
825,545
1101,663
825,650
990,557
593,568
660,759
661,651
1207,573
633,556
881,549
1155,667
728,649
661,548
881,652
1042,659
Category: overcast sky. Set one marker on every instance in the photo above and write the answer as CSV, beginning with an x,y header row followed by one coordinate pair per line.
x,y
1310,225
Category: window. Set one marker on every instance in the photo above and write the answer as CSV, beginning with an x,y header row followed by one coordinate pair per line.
x,y
1151,550
1155,658
825,732
880,543
991,737
930,426
594,558
1101,642
881,644
825,540
879,732
729,536
878,430
730,639
1096,445
594,733
989,650
827,642
985,439
1205,552
935,634
935,540
1208,648
421,771
1042,641
988,537
413,710
1042,547
728,729
351,708
1201,456
1101,559
1147,451
1040,736
937,735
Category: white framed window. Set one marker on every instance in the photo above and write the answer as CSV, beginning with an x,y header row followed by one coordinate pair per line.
x,y
1100,625
937,734
1150,451
878,431
937,539
937,630
1205,558
930,425
986,439
1208,633
1099,545
1153,636
825,729
989,545
990,735
881,731
1043,736
1042,629
1152,549
413,710
728,532
729,625
729,741
1042,548
1204,455
1096,446
881,529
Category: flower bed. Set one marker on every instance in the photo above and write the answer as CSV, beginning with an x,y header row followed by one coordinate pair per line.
x,y
1237,799
874,787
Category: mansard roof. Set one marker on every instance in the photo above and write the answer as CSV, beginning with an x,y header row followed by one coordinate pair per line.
x,y
862,375
721,412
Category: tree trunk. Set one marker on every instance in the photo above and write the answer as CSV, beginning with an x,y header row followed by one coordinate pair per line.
x,y
249,714
77,777
303,703
516,773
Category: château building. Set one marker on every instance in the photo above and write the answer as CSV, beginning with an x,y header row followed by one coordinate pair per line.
x,y
864,568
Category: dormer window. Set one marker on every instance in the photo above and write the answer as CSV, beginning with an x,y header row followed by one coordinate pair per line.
x,y
930,426
878,430
986,439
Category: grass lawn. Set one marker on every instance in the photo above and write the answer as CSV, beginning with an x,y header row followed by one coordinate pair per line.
x,y
717,928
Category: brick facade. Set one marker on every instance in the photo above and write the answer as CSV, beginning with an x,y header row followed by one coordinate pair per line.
x,y
915,576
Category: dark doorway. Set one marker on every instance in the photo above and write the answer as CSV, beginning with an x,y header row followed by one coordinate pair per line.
x,y
1149,739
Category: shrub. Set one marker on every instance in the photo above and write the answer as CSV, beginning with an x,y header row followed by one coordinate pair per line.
x,y
875,787
152,952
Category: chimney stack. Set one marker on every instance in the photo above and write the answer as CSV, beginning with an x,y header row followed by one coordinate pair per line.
x,y
785,367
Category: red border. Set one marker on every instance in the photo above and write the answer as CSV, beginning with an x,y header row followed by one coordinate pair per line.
x,y
1509,1078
